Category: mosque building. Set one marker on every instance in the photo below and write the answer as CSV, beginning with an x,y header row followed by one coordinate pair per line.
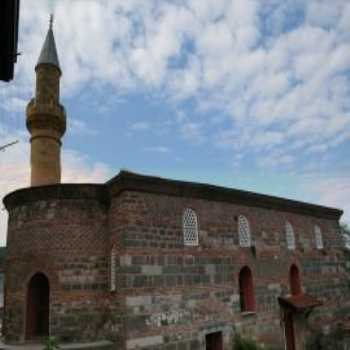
x,y
143,262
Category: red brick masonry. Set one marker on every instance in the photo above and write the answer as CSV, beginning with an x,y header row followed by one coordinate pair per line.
x,y
168,296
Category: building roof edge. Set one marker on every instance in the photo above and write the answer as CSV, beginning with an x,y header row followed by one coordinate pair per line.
x,y
127,180
130,181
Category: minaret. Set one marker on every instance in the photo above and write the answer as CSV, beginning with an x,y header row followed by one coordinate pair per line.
x,y
46,117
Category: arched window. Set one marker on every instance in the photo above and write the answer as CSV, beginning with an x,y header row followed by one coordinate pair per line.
x,y
244,232
290,238
190,227
294,280
318,237
246,290
112,270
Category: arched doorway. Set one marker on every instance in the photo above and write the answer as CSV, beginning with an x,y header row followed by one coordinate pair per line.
x,y
38,307
246,290
294,280
213,341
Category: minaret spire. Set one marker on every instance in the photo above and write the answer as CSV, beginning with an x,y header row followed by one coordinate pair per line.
x,y
51,21
46,118
48,52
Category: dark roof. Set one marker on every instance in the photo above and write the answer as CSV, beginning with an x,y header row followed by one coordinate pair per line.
x,y
9,18
56,192
299,302
129,181
133,181
48,54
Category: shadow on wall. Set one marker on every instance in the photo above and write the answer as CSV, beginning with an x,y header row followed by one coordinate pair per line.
x,y
338,339
241,343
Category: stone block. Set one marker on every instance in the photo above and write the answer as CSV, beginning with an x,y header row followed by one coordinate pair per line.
x,y
144,341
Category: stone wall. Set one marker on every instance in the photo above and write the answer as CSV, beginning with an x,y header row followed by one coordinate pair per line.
x,y
175,295
167,295
65,237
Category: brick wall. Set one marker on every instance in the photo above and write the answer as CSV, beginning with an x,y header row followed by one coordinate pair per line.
x,y
175,294
67,240
167,296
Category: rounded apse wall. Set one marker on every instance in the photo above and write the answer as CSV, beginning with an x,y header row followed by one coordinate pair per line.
x,y
59,231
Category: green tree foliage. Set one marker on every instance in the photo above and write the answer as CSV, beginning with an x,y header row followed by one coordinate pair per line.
x,y
336,340
51,344
241,343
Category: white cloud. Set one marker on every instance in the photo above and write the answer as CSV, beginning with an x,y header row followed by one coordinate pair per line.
x,y
140,126
217,52
78,168
324,13
15,104
193,132
185,82
276,159
332,191
158,149
79,127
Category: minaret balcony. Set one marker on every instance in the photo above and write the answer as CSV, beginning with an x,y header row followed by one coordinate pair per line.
x,y
46,116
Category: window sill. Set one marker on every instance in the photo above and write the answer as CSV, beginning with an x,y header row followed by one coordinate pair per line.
x,y
248,313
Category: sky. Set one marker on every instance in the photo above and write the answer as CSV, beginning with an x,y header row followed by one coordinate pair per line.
x,y
249,94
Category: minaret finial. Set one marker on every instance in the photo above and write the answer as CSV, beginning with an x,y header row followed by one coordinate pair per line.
x,y
51,20
48,54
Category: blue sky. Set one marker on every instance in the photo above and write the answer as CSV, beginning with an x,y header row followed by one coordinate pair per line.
x,y
248,94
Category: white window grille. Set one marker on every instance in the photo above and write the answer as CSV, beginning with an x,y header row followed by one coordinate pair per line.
x,y
244,232
290,238
190,227
113,262
318,237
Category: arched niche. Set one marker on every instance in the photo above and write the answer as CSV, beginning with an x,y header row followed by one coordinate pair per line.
x,y
38,307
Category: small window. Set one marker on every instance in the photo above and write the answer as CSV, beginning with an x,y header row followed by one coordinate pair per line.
x,y
113,262
246,290
318,238
190,227
244,232
290,238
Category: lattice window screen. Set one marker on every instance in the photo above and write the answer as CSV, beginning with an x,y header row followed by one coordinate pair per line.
x,y
113,281
290,238
318,237
190,227
244,232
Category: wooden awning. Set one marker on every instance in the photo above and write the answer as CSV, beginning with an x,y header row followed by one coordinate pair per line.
x,y
299,303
